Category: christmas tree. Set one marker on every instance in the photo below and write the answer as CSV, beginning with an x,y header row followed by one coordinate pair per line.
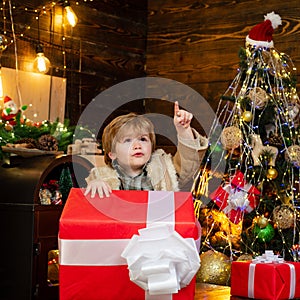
x,y
255,134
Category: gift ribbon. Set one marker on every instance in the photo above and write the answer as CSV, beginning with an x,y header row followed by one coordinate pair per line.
x,y
238,198
292,281
270,258
162,276
159,260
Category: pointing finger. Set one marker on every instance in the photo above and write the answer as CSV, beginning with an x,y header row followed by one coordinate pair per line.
x,y
176,109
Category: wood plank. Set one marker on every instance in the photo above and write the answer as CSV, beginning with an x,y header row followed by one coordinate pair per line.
x,y
197,43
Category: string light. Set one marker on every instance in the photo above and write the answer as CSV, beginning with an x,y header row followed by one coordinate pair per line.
x,y
70,14
3,46
41,63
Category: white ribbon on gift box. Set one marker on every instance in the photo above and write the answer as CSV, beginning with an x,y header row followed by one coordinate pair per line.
x,y
168,276
269,257
160,260
237,198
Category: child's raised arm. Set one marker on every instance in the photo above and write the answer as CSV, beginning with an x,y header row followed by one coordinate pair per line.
x,y
182,122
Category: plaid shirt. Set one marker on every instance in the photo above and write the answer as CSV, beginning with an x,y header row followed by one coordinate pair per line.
x,y
139,182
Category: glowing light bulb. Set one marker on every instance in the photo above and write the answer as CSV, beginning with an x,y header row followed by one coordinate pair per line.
x,y
41,63
71,16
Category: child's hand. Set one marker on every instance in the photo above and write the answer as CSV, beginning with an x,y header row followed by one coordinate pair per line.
x,y
100,186
182,122
182,118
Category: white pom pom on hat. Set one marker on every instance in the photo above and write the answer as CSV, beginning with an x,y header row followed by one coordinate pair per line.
x,y
261,35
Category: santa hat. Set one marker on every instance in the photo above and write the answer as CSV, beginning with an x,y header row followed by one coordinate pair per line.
x,y
7,99
261,34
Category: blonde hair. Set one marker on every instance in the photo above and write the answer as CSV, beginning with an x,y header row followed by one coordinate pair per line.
x,y
115,130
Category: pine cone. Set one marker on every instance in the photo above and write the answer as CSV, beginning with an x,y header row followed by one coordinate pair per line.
x,y
29,143
275,140
47,142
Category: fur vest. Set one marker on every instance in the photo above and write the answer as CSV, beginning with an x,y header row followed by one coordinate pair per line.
x,y
160,170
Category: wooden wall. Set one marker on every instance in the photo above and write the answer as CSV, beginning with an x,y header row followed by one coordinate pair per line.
x,y
193,42
197,42
106,47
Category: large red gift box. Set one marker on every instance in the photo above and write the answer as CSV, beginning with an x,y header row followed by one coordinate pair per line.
x,y
271,281
93,233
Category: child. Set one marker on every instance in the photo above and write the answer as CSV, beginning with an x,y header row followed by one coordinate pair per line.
x,y
134,164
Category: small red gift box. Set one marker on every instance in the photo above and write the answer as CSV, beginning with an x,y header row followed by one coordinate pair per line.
x,y
271,281
94,232
236,197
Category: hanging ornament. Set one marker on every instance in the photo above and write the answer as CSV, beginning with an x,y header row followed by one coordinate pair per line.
x,y
247,116
292,155
293,111
3,42
259,149
231,137
259,97
264,235
215,268
272,173
236,197
262,222
283,216
275,140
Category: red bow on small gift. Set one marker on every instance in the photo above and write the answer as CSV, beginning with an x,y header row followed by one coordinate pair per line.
x,y
236,197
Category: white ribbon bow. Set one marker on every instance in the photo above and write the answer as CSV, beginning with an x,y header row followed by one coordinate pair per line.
x,y
268,257
160,260
238,198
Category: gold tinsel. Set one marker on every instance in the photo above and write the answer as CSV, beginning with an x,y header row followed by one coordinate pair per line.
x,y
201,190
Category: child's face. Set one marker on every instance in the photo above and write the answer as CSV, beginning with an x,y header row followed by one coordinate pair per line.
x,y
132,151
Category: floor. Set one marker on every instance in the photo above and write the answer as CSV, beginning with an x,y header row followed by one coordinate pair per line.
x,y
205,291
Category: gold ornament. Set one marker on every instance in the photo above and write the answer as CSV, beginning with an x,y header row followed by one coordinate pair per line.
x,y
259,97
283,216
262,221
215,268
292,155
231,137
247,116
272,173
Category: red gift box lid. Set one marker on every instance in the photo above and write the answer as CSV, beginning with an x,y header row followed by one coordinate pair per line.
x,y
120,215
